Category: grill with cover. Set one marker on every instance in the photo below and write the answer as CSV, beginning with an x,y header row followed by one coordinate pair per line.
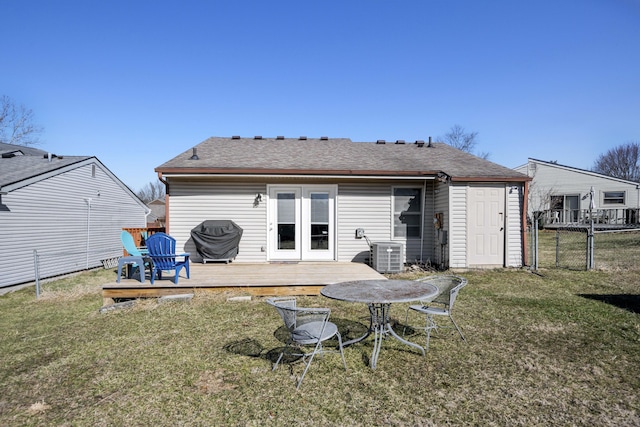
x,y
217,240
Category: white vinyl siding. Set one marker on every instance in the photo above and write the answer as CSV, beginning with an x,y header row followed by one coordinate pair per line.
x,y
191,202
53,217
369,206
441,206
366,206
458,226
514,244
553,179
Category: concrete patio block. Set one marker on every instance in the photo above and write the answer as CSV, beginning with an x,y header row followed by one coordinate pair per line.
x,y
178,297
117,306
239,299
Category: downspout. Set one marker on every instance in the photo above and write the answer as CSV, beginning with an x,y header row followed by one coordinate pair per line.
x,y
166,202
88,231
424,199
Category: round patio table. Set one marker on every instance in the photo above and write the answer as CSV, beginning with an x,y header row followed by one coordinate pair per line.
x,y
379,295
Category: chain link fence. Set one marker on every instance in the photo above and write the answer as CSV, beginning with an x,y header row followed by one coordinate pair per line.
x,y
579,248
617,249
50,265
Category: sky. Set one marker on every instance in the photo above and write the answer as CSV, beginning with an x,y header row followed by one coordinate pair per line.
x,y
136,83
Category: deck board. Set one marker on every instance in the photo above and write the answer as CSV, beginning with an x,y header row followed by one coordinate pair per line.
x,y
264,279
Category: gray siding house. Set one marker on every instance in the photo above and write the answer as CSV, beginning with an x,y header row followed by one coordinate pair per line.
x,y
561,195
70,210
303,199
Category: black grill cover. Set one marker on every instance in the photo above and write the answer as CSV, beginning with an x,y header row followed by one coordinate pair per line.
x,y
217,239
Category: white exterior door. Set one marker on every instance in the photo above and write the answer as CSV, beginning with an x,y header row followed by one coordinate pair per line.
x,y
301,223
486,225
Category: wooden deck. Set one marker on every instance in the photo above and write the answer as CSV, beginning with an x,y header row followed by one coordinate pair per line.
x,y
304,278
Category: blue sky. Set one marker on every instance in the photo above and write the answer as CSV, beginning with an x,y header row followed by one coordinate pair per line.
x,y
135,83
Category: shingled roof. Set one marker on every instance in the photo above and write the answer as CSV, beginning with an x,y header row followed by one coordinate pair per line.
x,y
335,156
18,163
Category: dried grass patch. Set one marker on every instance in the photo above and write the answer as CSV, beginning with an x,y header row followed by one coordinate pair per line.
x,y
537,353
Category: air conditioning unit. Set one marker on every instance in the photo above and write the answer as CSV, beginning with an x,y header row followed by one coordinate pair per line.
x,y
387,257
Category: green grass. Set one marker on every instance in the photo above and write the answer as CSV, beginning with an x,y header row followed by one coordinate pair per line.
x,y
542,350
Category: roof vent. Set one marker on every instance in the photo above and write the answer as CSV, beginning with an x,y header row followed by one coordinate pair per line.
x,y
257,137
380,141
235,137
303,138
195,154
420,143
324,138
400,141
430,144
8,155
279,137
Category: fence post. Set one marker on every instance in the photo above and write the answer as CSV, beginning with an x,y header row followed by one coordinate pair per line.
x,y
557,248
590,247
536,246
36,269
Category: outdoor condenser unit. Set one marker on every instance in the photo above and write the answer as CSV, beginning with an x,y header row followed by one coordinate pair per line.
x,y
387,257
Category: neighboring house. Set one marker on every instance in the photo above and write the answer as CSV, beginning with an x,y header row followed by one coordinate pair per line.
x,y
306,200
562,195
69,210
157,217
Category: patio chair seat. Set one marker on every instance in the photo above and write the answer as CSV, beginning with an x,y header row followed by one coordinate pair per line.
x,y
309,332
424,309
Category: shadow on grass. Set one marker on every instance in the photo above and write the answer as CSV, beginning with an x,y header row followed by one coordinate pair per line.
x,y
252,347
624,301
349,330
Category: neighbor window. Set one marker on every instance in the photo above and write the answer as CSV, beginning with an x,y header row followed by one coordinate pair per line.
x,y
407,212
613,198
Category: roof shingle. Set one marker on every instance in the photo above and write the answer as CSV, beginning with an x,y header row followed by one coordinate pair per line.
x,y
315,156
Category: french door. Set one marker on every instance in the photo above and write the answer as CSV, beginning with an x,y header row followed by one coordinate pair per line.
x,y
301,223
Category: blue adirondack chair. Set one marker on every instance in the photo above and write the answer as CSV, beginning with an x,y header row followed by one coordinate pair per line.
x,y
162,250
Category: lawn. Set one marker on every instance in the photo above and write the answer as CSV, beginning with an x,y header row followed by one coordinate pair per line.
x,y
556,348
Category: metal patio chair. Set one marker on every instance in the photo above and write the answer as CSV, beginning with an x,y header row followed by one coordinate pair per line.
x,y
442,305
306,327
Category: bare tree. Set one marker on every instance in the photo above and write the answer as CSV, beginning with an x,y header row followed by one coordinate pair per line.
x,y
16,123
152,191
621,162
459,138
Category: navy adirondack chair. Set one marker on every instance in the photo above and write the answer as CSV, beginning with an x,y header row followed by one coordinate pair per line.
x,y
162,250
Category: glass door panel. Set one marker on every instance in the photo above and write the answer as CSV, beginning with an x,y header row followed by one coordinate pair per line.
x,y
284,223
318,217
319,224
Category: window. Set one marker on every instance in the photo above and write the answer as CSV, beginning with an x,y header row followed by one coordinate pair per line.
x,y
407,212
613,198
